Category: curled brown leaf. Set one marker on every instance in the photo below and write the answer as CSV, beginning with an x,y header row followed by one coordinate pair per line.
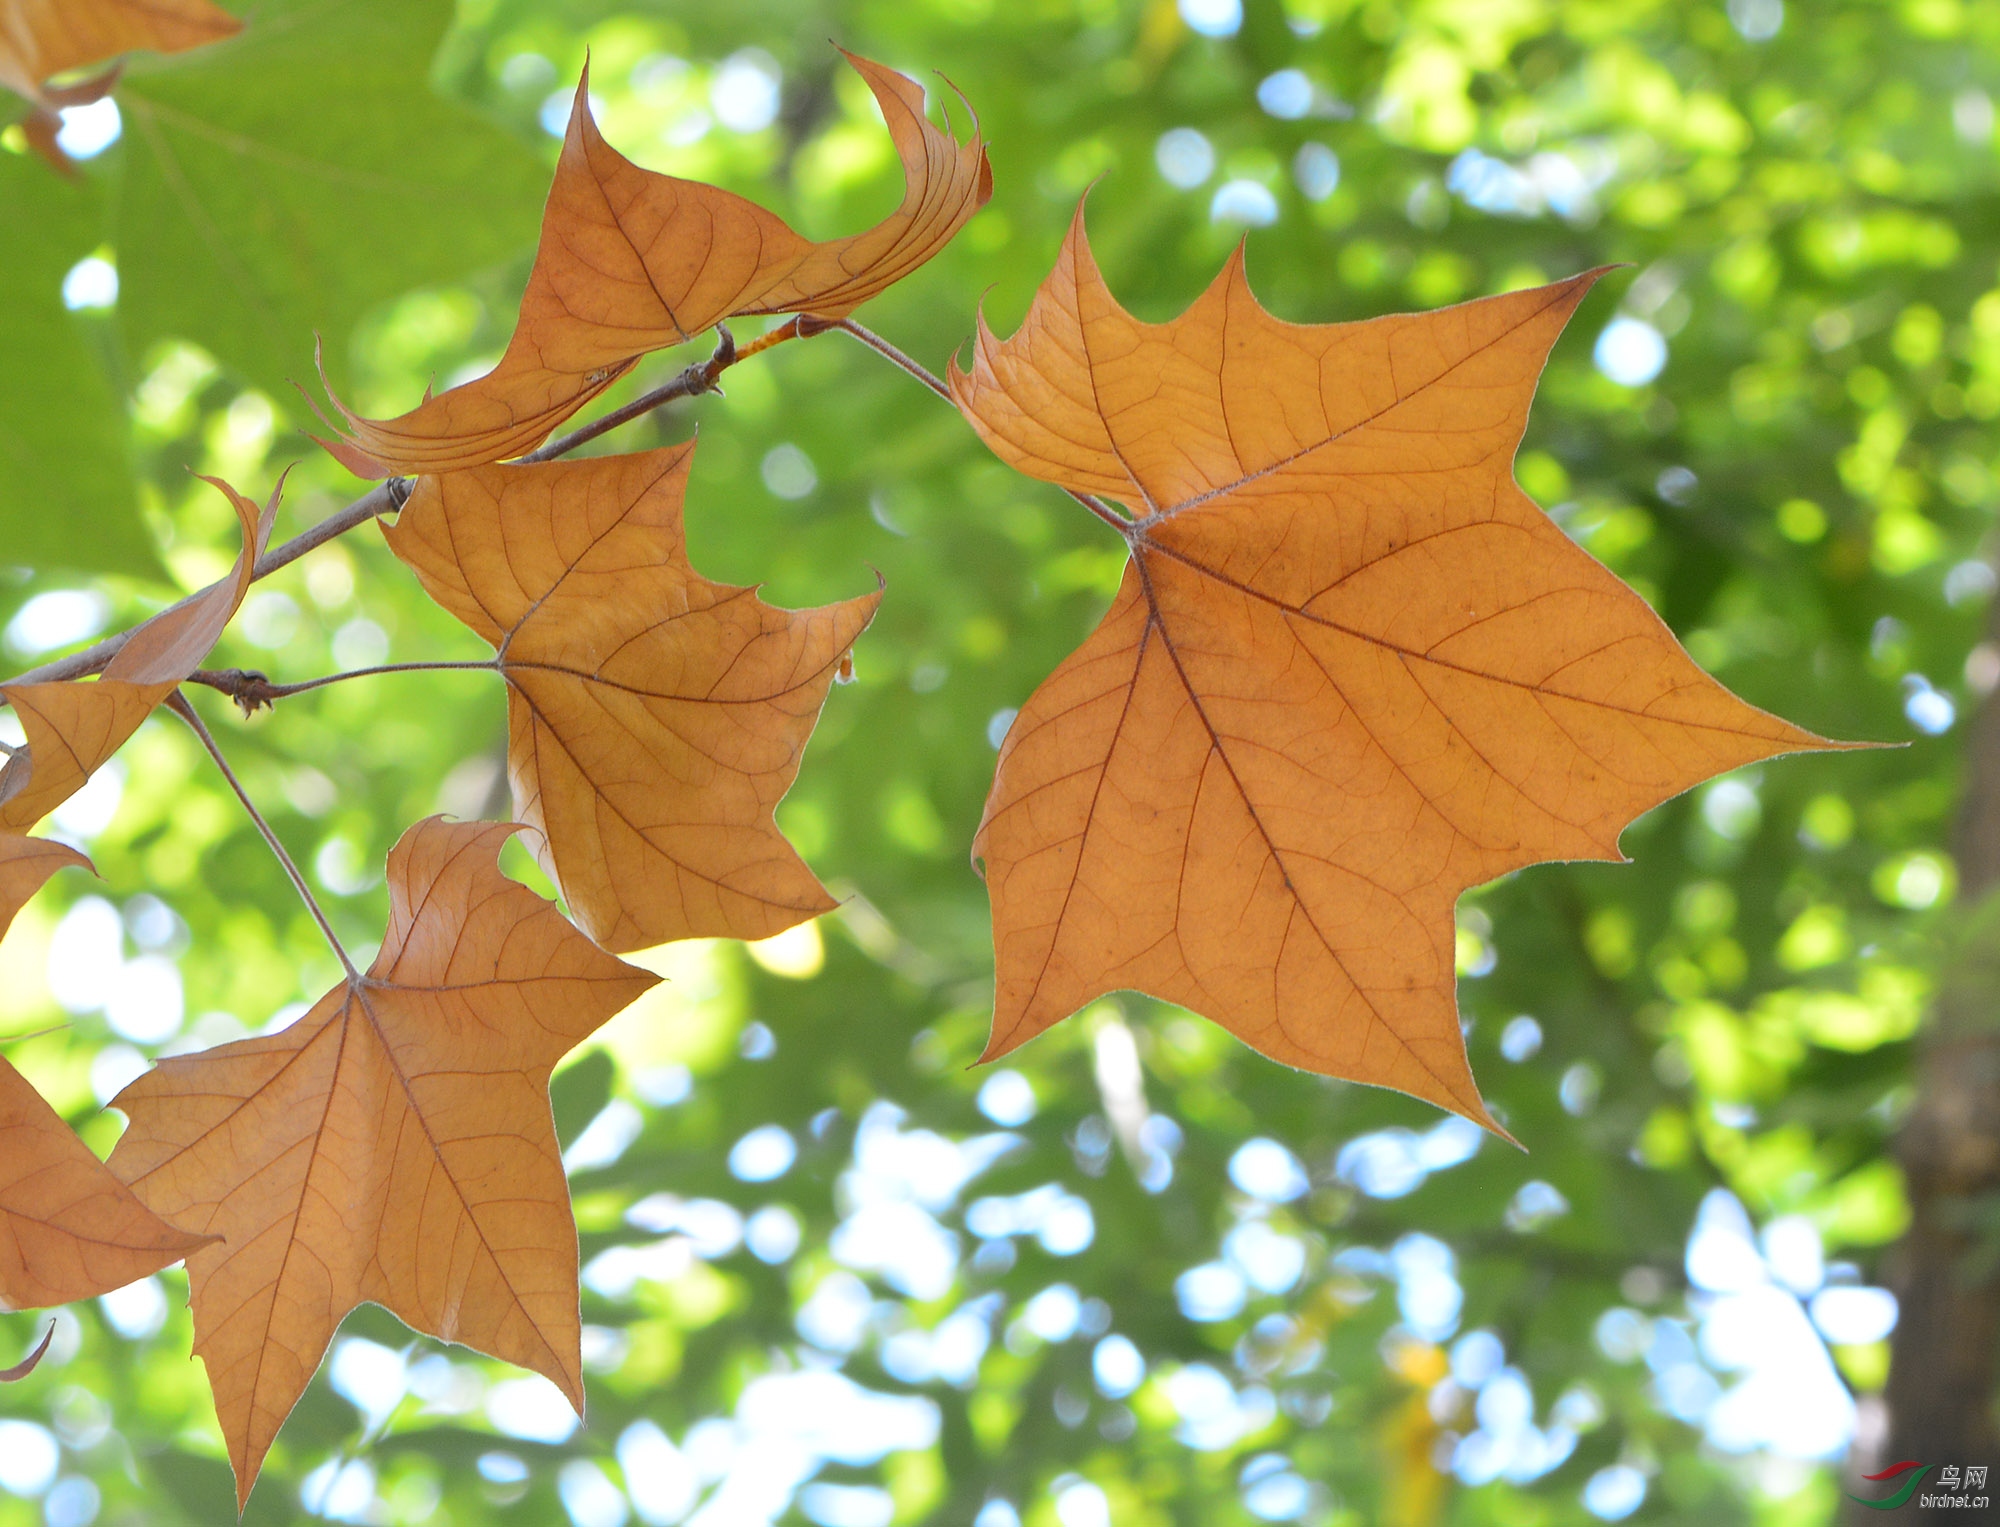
x,y
73,726
632,261
40,39
25,865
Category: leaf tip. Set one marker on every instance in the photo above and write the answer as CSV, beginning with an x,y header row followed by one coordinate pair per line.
x,y
340,448
1477,1112
32,1361
582,130
1000,1045
357,461
39,127
1584,281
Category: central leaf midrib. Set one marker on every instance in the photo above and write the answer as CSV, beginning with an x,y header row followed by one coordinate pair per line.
x,y
1156,619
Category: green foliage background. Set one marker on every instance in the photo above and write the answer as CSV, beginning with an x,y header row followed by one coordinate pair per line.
x,y
1812,220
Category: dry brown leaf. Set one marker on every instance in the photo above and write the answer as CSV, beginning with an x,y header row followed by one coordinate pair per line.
x,y
73,726
43,128
394,1145
655,719
1352,670
25,864
43,38
632,261
32,1361
69,1230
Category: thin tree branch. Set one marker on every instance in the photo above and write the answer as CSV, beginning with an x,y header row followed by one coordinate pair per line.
x,y
252,691
930,379
383,498
41,1033
390,496
178,704
694,380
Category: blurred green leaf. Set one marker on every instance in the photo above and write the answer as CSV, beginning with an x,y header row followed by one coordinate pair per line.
x,y
307,169
67,495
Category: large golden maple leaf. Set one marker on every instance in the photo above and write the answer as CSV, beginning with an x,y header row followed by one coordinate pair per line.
x,y
1352,670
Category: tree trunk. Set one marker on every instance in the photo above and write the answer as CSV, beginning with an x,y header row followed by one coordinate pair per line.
x,y
1945,1357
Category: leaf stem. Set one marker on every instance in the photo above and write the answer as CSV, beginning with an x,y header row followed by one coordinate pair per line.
x,y
802,326
41,1033
924,374
1121,523
890,352
178,704
252,691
